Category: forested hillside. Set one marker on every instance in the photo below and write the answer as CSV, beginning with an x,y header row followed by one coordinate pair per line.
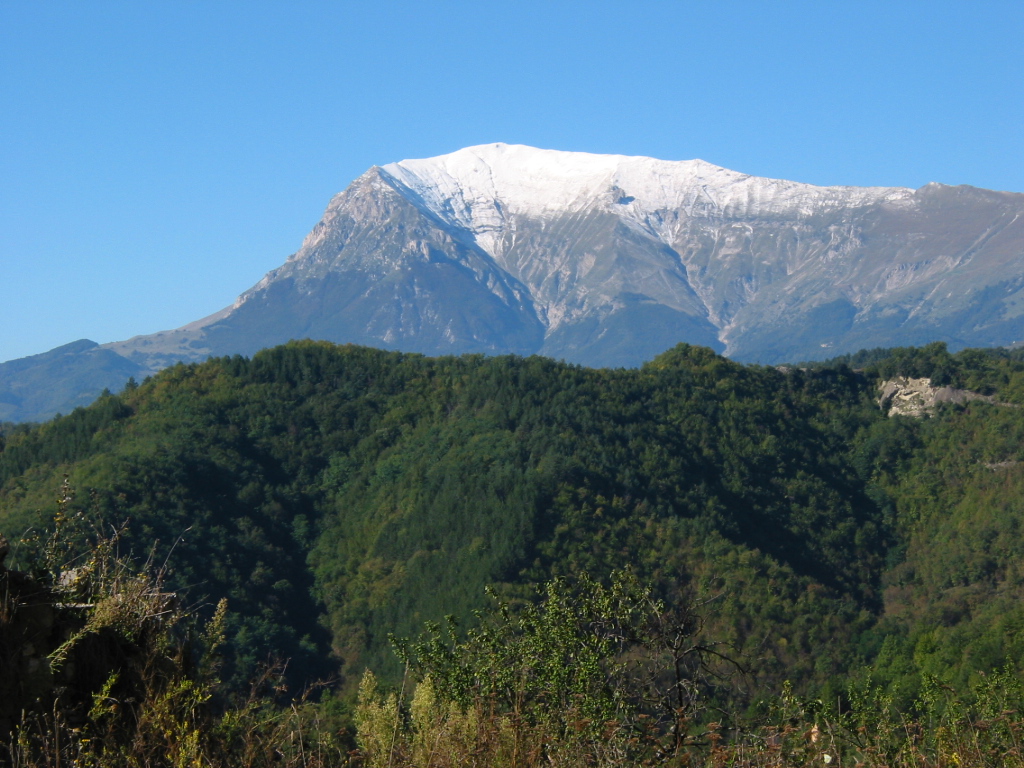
x,y
339,495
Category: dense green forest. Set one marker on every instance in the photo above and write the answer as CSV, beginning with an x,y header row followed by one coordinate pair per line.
x,y
338,497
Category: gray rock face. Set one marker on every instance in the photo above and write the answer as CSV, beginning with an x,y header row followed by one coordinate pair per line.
x,y
608,260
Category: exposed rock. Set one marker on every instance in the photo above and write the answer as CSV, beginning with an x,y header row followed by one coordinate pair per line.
x,y
905,396
997,465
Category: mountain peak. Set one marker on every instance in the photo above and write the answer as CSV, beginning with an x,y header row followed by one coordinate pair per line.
x,y
478,188
610,260
523,180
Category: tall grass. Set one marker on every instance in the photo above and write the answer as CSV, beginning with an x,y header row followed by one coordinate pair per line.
x,y
109,669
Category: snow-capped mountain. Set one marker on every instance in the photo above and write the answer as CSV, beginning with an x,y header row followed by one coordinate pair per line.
x,y
609,260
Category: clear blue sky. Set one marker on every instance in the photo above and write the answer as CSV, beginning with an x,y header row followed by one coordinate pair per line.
x,y
157,158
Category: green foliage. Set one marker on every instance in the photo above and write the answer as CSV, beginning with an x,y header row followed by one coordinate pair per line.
x,y
586,675
336,495
494,699
554,658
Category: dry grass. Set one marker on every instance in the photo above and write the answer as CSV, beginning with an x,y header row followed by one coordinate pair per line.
x,y
103,669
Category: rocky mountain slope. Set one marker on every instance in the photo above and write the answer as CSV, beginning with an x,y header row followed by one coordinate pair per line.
x,y
608,260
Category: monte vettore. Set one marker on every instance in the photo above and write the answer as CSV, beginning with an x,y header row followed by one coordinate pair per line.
x,y
603,260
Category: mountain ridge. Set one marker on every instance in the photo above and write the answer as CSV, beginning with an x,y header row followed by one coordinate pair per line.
x,y
607,260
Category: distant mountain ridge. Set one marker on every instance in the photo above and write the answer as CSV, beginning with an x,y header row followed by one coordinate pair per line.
x,y
608,260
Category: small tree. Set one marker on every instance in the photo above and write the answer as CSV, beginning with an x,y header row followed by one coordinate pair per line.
x,y
588,675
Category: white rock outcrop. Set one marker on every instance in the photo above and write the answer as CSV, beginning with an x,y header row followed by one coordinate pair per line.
x,y
904,396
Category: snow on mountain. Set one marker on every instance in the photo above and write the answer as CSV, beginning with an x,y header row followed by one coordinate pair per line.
x,y
480,188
